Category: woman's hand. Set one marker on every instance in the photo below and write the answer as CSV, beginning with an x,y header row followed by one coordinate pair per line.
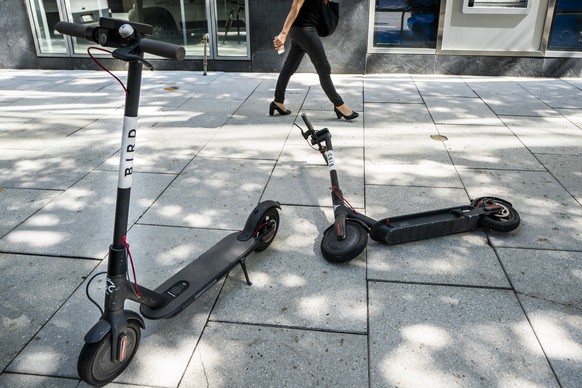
x,y
279,41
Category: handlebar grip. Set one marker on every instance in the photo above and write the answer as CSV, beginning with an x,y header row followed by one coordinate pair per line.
x,y
76,30
306,121
162,49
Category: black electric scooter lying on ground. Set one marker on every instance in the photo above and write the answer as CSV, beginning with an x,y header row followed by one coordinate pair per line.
x,y
348,236
113,341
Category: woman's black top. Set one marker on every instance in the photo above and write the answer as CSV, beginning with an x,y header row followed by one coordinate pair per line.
x,y
308,14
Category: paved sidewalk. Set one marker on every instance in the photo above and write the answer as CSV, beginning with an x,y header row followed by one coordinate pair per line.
x,y
480,309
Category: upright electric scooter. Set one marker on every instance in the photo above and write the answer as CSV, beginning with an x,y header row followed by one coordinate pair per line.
x,y
113,341
348,236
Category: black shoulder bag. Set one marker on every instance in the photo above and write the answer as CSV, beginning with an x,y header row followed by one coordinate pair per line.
x,y
328,18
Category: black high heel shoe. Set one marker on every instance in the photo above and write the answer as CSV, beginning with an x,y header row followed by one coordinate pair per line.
x,y
340,114
274,107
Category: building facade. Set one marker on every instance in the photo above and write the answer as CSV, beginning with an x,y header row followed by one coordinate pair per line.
x,y
477,37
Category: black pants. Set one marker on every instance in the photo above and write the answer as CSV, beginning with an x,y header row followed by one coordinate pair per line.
x,y
305,40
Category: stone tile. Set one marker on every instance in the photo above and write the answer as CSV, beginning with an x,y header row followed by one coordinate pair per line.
x,y
391,89
60,165
460,111
574,115
487,147
220,194
554,92
19,204
505,96
18,380
451,337
246,141
543,135
166,345
387,121
447,86
419,161
464,259
309,185
567,170
294,285
243,355
550,217
164,149
558,329
79,223
33,289
550,275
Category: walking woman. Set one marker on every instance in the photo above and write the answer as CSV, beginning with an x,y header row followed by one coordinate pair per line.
x,y
300,25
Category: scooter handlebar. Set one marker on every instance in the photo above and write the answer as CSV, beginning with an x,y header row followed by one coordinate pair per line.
x,y
161,49
307,122
76,30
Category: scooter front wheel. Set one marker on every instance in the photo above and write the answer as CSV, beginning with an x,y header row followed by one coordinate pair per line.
x,y
506,220
266,228
340,251
95,366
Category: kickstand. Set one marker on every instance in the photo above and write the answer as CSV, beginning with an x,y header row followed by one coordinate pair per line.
x,y
244,268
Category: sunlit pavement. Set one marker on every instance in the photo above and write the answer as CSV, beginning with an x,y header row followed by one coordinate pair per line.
x,y
480,309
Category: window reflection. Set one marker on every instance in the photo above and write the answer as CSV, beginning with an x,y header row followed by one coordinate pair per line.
x,y
45,14
406,23
182,22
566,32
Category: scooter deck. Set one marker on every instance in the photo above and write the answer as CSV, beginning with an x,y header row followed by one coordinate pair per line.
x,y
421,226
198,276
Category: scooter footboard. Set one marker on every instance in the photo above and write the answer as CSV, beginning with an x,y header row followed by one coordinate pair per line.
x,y
421,226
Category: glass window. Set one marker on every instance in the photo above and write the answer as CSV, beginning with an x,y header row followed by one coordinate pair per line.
x,y
566,31
406,23
182,22
231,27
44,15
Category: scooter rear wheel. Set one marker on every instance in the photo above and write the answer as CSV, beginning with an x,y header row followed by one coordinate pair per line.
x,y
95,366
504,221
340,251
266,228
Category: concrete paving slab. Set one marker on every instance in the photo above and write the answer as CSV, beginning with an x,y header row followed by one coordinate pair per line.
x,y
487,147
558,329
546,135
79,223
447,86
212,193
309,185
465,259
164,149
426,165
574,115
424,335
243,356
567,169
293,285
60,165
166,345
18,380
391,89
460,111
396,120
549,275
33,289
516,104
19,204
550,217
39,133
554,92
